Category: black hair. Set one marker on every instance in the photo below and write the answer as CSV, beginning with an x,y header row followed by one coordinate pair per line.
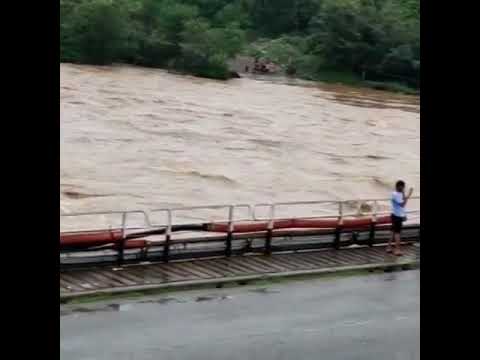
x,y
400,183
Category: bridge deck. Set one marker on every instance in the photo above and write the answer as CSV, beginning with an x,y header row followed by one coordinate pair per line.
x,y
105,279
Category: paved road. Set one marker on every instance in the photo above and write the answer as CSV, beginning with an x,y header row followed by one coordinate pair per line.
x,y
359,318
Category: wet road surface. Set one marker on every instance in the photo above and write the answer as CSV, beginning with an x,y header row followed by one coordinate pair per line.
x,y
362,318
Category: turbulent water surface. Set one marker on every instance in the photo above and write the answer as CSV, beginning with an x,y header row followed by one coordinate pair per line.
x,y
134,138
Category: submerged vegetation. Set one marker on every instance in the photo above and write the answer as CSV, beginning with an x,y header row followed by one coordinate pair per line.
x,y
353,41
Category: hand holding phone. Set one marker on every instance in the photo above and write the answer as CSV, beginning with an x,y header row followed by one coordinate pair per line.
x,y
410,192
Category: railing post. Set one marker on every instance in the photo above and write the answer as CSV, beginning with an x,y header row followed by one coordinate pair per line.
x,y
228,247
270,226
338,229
371,238
168,236
121,247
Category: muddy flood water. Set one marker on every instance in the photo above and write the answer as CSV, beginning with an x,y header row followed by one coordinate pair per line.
x,y
135,138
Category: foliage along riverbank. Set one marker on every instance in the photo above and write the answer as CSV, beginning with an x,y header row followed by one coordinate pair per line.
x,y
360,42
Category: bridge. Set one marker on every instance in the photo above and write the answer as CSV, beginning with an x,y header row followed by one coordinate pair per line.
x,y
215,245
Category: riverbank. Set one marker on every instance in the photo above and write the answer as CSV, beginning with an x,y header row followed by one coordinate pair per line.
x,y
244,65
346,37
356,81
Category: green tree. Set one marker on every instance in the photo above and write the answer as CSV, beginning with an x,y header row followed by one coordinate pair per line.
x,y
96,32
367,35
306,37
157,27
205,50
274,17
235,12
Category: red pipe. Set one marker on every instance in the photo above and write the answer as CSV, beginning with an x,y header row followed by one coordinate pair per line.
x,y
348,224
250,226
83,240
333,223
133,244
90,238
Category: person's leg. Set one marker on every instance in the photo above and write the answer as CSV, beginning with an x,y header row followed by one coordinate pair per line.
x,y
392,238
398,250
390,242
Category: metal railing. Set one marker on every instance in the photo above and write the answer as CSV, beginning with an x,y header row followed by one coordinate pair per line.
x,y
122,214
229,215
252,211
339,204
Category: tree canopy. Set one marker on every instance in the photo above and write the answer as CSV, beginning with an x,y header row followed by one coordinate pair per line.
x,y
375,37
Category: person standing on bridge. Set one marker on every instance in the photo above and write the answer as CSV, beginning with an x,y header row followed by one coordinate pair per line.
x,y
399,201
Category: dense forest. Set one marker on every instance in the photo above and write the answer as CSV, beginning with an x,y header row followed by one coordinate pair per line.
x,y
339,40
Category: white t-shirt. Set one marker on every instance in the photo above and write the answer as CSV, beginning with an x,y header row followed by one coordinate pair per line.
x,y
397,208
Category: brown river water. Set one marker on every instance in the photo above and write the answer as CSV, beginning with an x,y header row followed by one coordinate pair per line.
x,y
136,138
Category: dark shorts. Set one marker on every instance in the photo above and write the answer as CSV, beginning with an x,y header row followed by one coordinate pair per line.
x,y
397,223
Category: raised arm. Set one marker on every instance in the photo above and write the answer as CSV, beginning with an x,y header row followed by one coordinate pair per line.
x,y
406,197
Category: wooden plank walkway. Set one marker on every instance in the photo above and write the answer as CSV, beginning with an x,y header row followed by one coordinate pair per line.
x,y
89,281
